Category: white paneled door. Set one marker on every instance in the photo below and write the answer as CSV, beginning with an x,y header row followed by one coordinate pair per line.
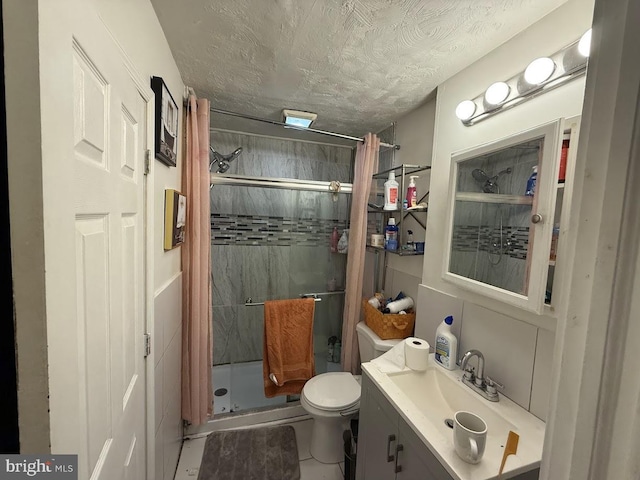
x,y
94,135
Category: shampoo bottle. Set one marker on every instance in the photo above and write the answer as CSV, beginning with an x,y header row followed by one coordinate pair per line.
x,y
391,235
391,192
412,195
446,345
531,183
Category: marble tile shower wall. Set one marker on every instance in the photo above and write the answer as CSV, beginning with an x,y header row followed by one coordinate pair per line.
x,y
273,244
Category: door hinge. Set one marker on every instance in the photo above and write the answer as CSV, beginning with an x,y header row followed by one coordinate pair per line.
x,y
147,162
147,345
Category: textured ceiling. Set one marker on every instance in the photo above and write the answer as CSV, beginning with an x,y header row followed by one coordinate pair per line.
x,y
358,64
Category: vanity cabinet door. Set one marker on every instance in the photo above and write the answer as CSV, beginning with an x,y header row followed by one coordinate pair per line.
x,y
377,435
415,461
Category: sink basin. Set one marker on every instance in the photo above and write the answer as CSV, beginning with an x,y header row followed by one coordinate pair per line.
x,y
438,397
426,399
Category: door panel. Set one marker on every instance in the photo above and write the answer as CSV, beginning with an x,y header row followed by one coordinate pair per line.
x,y
93,124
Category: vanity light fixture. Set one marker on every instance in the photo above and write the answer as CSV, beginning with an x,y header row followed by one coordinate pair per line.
x,y
497,93
584,45
541,75
465,110
539,71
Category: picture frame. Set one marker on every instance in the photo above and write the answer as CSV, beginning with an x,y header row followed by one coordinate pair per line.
x,y
175,218
166,123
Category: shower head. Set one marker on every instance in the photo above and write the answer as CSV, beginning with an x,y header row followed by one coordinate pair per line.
x,y
489,184
224,161
479,175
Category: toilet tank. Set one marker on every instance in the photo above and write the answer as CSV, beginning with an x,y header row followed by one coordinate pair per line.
x,y
370,344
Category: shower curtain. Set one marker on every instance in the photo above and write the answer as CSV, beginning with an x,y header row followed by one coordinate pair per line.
x,y
365,165
197,351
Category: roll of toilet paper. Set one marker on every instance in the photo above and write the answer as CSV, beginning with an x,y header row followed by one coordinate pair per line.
x,y
416,353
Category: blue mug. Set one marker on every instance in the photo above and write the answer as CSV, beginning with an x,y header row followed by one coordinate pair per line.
x,y
419,247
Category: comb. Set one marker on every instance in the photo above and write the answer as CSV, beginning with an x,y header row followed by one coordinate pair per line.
x,y
510,449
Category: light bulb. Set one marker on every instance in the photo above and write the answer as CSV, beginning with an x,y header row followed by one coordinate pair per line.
x,y
584,45
465,110
497,93
539,70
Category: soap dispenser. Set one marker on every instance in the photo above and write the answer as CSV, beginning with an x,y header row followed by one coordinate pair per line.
x,y
391,192
412,194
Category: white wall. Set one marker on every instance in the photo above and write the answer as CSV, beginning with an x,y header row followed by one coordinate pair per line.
x,y
414,134
492,327
136,28
27,229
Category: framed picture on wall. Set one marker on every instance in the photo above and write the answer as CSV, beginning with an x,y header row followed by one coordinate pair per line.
x,y
175,218
166,123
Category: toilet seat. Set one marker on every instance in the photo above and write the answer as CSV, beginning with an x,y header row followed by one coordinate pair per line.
x,y
332,392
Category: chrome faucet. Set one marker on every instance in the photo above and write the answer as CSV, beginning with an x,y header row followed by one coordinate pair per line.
x,y
475,378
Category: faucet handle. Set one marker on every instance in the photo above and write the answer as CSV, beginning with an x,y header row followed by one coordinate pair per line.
x,y
491,386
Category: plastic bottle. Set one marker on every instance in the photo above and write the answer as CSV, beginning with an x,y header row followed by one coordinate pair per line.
x,y
391,192
554,242
564,153
446,345
391,235
334,240
398,305
412,195
531,183
343,243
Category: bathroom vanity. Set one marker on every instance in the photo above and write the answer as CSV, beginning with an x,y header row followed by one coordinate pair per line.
x,y
403,432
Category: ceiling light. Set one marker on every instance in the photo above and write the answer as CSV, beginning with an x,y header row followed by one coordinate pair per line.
x,y
465,110
296,118
497,93
584,45
539,70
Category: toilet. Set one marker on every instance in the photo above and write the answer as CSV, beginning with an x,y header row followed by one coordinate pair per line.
x,y
332,399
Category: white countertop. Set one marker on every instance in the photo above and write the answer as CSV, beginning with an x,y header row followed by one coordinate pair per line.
x,y
438,438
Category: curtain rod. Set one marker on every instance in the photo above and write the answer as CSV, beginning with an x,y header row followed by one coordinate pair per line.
x,y
302,129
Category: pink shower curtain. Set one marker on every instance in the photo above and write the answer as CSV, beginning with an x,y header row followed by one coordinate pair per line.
x,y
365,166
197,391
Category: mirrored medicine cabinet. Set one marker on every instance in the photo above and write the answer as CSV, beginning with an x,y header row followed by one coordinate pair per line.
x,y
499,229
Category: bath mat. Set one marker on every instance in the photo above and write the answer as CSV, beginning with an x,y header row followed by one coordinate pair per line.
x,y
268,453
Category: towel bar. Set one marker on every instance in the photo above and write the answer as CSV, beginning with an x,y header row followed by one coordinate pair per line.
x,y
252,304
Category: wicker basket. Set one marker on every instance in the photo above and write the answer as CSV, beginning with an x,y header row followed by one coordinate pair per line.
x,y
387,325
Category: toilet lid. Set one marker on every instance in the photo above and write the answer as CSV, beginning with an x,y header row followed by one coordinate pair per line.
x,y
332,391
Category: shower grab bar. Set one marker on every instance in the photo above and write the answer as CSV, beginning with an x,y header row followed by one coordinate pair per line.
x,y
252,304
316,295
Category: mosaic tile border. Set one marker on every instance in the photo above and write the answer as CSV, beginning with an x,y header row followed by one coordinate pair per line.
x,y
469,238
263,230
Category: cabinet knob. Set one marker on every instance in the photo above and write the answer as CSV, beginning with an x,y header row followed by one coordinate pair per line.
x,y
536,218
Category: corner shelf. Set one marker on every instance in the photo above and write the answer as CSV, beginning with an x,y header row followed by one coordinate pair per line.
x,y
402,171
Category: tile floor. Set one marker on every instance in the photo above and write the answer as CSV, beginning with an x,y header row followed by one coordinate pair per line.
x,y
310,469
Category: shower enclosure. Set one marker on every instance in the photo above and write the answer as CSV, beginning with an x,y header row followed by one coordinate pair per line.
x,y
270,244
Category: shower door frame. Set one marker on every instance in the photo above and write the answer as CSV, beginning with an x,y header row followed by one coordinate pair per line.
x,y
292,410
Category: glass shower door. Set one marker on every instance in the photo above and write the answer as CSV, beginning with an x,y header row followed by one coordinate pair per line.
x,y
278,248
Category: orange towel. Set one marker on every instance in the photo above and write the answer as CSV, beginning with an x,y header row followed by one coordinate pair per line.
x,y
288,345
